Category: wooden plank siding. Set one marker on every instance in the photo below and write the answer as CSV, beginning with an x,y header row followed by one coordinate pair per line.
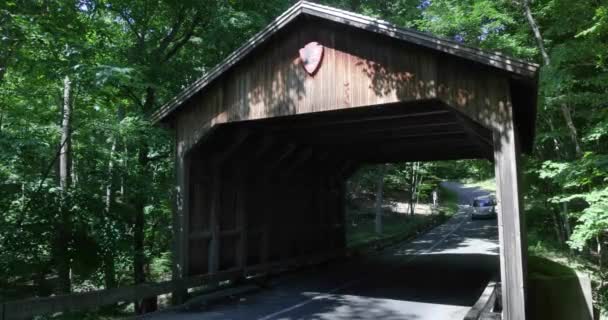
x,y
306,10
273,82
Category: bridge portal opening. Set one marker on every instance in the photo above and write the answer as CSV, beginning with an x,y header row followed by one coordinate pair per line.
x,y
265,192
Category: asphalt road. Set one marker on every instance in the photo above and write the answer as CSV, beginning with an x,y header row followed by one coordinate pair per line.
x,y
438,276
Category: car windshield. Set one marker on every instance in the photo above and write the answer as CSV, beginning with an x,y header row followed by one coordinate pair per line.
x,y
483,203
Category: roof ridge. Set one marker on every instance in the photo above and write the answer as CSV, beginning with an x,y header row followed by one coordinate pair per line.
x,y
419,32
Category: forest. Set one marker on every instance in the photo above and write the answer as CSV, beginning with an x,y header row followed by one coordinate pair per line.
x,y
86,180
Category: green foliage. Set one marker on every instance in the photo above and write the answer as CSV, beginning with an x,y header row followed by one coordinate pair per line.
x,y
448,202
593,220
396,227
126,57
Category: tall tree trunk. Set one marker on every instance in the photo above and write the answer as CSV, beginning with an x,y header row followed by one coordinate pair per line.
x,y
139,270
567,228
66,137
566,112
62,258
418,187
559,227
140,264
412,191
600,262
109,265
536,30
379,195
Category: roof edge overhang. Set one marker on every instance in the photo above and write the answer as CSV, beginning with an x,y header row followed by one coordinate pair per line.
x,y
516,67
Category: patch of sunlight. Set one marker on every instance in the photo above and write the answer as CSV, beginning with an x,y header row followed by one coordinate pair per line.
x,y
354,307
488,184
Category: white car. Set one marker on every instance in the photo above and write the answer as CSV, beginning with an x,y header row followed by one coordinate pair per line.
x,y
484,208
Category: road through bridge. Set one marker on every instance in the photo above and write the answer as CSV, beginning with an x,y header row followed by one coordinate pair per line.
x,y
437,276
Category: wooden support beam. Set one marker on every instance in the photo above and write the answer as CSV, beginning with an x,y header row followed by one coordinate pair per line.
x,y
181,219
445,149
200,235
511,223
397,110
365,122
383,137
378,131
214,225
328,163
340,171
341,215
477,134
435,141
302,157
266,224
464,152
267,143
351,167
241,215
284,154
239,140
415,127
216,167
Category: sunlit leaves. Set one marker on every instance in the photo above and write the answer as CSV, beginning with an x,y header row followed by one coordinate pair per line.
x,y
593,220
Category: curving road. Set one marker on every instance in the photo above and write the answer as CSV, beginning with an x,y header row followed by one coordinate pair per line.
x,y
438,276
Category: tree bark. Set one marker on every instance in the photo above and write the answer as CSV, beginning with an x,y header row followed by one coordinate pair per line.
x,y
413,187
556,144
559,227
536,30
109,266
66,137
566,112
62,259
567,228
420,176
140,264
600,262
379,195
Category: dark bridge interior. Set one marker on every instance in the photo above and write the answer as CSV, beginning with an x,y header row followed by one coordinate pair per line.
x,y
274,188
415,131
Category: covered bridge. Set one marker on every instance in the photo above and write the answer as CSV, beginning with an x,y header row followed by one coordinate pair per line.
x,y
266,140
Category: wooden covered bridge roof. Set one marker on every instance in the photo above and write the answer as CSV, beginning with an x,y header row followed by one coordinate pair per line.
x,y
403,115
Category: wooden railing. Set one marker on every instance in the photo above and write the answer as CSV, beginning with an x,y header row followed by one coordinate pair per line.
x,y
484,306
27,308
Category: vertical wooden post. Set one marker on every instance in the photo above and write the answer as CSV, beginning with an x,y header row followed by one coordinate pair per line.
x,y
321,219
511,223
180,219
341,207
266,216
214,224
241,215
